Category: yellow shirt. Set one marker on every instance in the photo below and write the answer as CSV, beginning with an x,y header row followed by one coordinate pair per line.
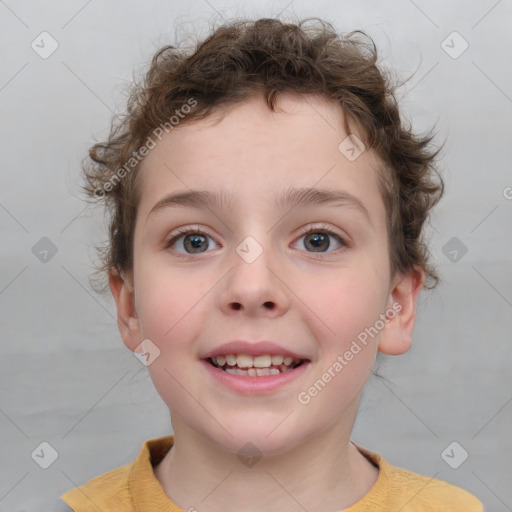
x,y
134,488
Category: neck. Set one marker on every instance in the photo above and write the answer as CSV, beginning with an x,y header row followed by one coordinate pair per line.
x,y
198,473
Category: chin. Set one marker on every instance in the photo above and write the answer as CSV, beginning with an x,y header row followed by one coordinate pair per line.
x,y
256,440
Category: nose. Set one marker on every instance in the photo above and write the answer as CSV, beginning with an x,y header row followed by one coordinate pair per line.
x,y
254,288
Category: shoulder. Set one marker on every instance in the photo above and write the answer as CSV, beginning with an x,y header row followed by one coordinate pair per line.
x,y
126,487
107,489
422,493
400,489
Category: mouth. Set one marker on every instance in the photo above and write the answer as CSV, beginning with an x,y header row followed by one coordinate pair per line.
x,y
246,365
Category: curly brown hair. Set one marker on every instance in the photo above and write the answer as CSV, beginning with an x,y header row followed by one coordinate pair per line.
x,y
243,58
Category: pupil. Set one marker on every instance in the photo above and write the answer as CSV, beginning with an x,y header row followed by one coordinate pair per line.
x,y
194,242
319,241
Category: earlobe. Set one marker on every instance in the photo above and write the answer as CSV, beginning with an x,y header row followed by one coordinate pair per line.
x,y
123,292
396,337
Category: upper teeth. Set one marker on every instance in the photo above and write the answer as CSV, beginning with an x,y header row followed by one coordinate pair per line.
x,y
247,361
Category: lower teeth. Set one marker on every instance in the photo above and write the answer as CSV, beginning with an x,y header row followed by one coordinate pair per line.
x,y
256,372
253,372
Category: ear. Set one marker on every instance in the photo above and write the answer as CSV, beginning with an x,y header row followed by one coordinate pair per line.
x,y
396,337
123,292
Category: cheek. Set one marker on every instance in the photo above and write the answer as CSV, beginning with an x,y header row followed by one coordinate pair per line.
x,y
345,305
171,300
346,342
168,300
170,313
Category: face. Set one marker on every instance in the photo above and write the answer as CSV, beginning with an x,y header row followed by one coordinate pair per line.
x,y
292,262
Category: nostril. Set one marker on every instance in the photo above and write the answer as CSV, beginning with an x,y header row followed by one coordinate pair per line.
x,y
237,306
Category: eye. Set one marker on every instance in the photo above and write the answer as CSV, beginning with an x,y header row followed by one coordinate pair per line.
x,y
189,241
317,239
193,241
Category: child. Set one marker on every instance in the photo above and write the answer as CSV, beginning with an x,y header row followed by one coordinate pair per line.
x,y
265,243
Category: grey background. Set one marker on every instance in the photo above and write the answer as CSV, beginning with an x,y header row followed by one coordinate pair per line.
x,y
66,377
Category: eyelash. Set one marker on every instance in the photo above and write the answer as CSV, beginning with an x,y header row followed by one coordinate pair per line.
x,y
324,229
180,232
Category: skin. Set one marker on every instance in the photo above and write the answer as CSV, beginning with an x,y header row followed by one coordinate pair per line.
x,y
315,303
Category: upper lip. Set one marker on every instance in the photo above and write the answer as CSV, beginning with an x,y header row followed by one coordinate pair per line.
x,y
258,348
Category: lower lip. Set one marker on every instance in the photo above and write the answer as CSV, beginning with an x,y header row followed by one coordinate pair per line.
x,y
255,385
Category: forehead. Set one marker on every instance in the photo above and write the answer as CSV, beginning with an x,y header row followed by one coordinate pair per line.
x,y
251,153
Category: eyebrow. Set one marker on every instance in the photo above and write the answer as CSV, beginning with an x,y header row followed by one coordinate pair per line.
x,y
289,198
